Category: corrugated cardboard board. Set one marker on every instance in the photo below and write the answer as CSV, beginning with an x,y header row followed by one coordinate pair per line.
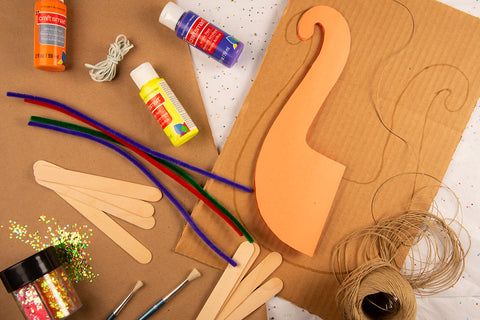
x,y
412,62
92,26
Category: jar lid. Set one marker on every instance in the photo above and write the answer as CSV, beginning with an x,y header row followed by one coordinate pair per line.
x,y
30,269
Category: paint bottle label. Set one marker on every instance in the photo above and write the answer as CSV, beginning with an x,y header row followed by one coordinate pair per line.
x,y
203,35
50,35
168,111
155,104
51,28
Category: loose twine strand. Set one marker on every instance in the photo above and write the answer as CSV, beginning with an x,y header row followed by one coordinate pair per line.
x,y
371,261
107,69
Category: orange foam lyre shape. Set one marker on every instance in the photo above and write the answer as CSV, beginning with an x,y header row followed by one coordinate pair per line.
x,y
295,185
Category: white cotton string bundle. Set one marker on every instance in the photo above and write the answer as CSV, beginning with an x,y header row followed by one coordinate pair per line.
x,y
107,69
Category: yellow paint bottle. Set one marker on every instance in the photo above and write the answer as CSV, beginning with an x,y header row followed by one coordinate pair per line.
x,y
163,104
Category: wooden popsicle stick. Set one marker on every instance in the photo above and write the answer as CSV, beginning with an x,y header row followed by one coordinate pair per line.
x,y
256,299
227,282
135,206
142,222
94,182
252,281
115,232
256,253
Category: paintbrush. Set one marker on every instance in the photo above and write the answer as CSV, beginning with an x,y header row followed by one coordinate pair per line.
x,y
138,285
192,276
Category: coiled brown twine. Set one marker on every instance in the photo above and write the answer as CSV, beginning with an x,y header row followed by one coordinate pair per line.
x,y
368,265
381,268
376,290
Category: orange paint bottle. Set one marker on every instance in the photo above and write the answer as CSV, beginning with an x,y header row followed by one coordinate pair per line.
x,y
50,35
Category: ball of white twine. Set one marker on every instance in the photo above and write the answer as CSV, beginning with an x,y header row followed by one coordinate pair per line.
x,y
107,69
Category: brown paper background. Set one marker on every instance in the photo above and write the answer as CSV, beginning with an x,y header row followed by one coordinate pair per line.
x,y
92,26
416,63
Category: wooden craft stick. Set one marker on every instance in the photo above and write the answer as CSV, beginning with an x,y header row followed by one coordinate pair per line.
x,y
228,281
115,232
252,281
142,222
94,182
256,253
135,206
260,296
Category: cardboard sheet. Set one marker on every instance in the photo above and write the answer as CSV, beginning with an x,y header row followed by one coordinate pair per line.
x,y
91,28
413,66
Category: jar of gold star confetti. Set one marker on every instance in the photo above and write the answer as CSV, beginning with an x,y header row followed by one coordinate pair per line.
x,y
41,287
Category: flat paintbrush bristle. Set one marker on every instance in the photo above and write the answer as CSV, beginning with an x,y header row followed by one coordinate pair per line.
x,y
138,285
194,275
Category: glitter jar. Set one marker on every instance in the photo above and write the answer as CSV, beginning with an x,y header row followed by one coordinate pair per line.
x,y
41,287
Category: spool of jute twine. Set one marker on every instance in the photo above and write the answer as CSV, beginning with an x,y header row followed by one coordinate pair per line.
x,y
376,290
377,282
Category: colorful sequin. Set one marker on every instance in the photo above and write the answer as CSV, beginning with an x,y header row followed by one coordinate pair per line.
x,y
71,242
